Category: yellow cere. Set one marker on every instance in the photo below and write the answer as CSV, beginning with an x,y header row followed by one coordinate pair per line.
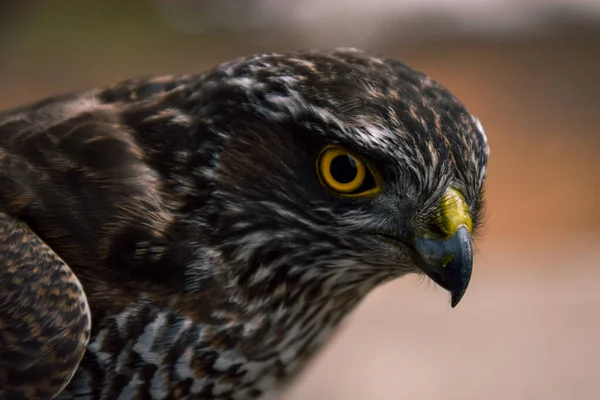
x,y
454,213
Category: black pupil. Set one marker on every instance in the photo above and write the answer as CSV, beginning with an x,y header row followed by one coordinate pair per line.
x,y
343,169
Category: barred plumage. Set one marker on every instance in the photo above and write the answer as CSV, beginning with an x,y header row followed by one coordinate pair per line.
x,y
214,261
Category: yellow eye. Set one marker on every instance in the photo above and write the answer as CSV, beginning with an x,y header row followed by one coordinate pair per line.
x,y
345,173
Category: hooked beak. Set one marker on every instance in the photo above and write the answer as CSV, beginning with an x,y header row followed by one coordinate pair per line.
x,y
448,261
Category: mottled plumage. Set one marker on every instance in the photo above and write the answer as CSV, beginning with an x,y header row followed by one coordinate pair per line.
x,y
189,209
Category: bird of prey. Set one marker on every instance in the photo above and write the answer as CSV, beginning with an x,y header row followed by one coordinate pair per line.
x,y
201,236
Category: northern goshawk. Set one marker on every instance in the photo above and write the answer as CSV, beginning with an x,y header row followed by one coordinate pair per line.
x,y
201,236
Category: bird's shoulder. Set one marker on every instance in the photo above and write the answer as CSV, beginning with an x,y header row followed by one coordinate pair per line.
x,y
94,174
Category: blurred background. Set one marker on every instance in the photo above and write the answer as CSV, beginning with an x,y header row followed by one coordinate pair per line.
x,y
529,69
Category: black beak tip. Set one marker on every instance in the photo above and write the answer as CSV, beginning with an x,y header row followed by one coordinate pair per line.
x,y
454,276
461,266
456,297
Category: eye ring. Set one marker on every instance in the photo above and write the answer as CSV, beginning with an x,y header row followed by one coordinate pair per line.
x,y
336,156
345,173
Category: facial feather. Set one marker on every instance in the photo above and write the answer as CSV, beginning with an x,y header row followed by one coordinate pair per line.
x,y
230,263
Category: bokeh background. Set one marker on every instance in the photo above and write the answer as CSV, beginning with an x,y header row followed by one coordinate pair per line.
x,y
530,70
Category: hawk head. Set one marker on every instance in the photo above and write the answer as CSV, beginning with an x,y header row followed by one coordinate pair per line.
x,y
340,169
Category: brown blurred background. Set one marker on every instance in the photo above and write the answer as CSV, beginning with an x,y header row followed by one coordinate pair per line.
x,y
529,327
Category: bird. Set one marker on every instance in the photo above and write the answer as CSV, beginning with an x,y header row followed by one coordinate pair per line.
x,y
202,236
